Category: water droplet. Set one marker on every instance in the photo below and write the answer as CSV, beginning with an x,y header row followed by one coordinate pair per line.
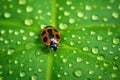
x,y
92,33
29,9
22,2
7,15
16,61
38,53
40,70
95,50
88,7
66,13
65,73
113,75
79,59
34,77
71,20
10,71
95,17
18,42
77,72
73,7
31,33
85,48
62,26
22,74
105,47
19,11
106,64
28,22
29,45
115,15
99,77
24,37
61,8
58,75
100,58
71,43
116,40
22,31
68,2
99,37
2,31
11,51
1,39
6,41
16,32
65,60
70,65
30,69
115,67
109,7
105,19
80,14
91,72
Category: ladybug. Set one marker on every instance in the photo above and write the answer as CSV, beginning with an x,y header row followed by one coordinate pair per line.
x,y
51,37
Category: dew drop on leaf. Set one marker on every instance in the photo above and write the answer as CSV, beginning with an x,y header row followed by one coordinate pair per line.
x,y
116,40
95,17
65,60
115,15
80,14
66,13
71,43
65,73
10,71
29,9
88,7
100,58
68,2
16,61
115,67
2,31
28,22
105,47
71,20
10,51
39,70
58,75
77,73
22,74
99,37
7,15
113,75
79,59
62,26
18,42
34,77
105,19
91,72
95,50
85,48
31,33
22,2
24,37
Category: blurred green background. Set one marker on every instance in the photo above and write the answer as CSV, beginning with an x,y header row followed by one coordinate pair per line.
x,y
89,48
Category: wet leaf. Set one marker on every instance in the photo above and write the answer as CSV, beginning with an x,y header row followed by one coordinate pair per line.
x,y
89,48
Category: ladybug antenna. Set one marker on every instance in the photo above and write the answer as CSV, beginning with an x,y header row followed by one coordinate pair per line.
x,y
53,45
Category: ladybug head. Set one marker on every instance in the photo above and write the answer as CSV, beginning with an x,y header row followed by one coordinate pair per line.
x,y
53,45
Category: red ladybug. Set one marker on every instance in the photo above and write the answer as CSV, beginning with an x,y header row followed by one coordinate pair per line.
x,y
51,37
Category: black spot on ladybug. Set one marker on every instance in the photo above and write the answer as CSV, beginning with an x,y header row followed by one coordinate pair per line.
x,y
45,39
57,36
43,33
50,33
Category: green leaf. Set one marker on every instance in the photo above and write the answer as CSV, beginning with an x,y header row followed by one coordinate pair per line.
x,y
89,47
